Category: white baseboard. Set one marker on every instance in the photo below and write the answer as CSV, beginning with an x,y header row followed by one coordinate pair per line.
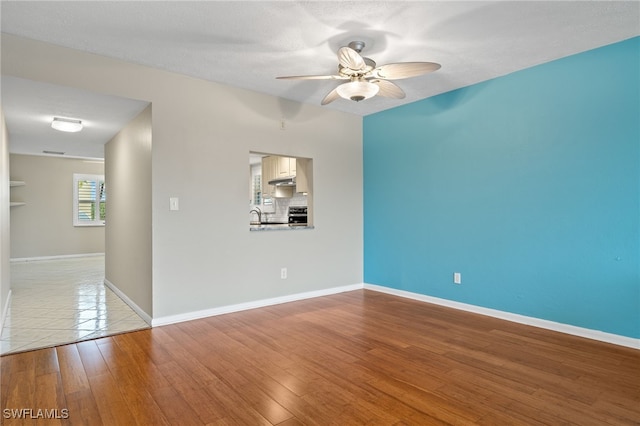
x,y
60,257
508,316
128,301
172,319
5,310
521,319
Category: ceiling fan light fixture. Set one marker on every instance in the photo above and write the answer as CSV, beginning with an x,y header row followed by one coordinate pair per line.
x,y
66,124
357,90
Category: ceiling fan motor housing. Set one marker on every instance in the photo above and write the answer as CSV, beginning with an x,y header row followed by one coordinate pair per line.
x,y
357,45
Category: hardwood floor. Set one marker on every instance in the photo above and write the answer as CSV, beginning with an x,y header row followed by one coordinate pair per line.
x,y
349,359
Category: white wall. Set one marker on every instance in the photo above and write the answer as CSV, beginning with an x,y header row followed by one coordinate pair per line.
x,y
4,218
128,229
204,255
44,225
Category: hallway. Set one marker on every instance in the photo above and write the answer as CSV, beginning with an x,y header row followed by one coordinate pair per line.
x,y
62,301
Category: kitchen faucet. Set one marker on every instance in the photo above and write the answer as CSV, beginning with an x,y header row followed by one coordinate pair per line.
x,y
258,212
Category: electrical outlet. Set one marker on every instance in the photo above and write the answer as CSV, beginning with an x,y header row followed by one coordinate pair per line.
x,y
457,278
283,273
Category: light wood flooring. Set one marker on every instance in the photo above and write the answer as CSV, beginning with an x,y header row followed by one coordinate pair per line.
x,y
349,359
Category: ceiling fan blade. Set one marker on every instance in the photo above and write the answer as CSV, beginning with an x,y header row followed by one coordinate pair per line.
x,y
332,96
389,89
351,59
404,70
312,77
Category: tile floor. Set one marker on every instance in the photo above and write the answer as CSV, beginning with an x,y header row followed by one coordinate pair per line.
x,y
62,301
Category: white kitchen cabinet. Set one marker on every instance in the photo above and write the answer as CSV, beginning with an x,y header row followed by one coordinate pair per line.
x,y
292,166
303,175
286,167
269,172
276,167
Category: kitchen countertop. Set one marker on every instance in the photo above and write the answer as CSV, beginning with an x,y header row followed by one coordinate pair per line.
x,y
278,227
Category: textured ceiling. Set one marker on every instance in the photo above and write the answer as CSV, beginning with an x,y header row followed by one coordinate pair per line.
x,y
248,44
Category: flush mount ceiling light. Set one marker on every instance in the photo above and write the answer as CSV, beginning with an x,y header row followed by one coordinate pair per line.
x,y
357,90
66,124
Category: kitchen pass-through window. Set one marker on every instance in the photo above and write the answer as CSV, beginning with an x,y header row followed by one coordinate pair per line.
x,y
280,191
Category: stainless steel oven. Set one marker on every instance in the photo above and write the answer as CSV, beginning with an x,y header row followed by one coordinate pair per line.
x,y
297,215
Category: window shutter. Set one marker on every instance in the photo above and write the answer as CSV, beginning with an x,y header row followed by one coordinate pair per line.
x,y
89,200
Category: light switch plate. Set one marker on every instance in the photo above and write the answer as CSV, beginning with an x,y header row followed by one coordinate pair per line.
x,y
173,203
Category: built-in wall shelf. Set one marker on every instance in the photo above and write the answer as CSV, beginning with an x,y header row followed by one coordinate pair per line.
x,y
13,184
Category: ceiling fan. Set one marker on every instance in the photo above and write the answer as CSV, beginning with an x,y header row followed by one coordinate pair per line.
x,y
365,78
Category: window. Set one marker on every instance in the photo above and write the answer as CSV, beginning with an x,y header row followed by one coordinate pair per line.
x,y
257,190
89,200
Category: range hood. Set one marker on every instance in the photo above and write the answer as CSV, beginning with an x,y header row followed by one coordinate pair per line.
x,y
290,181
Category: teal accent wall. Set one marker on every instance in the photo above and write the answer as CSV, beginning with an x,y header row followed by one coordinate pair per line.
x,y
527,184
